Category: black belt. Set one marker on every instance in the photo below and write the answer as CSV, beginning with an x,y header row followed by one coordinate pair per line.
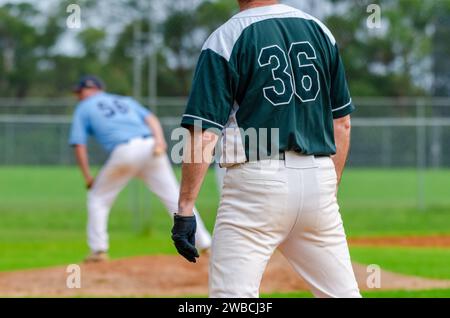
x,y
282,156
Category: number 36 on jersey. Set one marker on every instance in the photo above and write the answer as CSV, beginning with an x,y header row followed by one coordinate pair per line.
x,y
293,72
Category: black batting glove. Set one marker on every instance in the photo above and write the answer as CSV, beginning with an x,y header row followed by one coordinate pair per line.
x,y
183,236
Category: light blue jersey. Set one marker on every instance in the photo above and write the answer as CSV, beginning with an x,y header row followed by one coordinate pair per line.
x,y
110,119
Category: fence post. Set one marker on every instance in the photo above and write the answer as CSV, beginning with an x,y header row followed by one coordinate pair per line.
x,y
138,60
421,153
436,146
10,143
6,150
386,147
63,147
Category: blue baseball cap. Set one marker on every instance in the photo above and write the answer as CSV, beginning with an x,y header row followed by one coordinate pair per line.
x,y
89,81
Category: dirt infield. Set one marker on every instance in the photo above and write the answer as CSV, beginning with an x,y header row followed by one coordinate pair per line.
x,y
170,276
406,241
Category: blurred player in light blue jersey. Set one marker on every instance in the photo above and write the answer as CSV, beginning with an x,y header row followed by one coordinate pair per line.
x,y
134,139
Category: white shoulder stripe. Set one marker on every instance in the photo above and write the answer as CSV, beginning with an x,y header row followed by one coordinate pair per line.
x,y
324,28
342,107
204,119
222,41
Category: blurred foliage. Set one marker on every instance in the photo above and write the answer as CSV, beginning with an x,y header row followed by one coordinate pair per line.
x,y
386,61
396,60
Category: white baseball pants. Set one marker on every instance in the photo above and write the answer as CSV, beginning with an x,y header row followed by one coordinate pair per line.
x,y
129,160
290,205
220,175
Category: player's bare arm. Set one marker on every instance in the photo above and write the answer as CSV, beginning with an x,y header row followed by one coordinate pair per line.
x,y
342,129
193,172
81,155
155,126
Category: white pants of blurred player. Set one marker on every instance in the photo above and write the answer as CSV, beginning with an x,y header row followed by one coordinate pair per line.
x,y
288,205
127,161
220,175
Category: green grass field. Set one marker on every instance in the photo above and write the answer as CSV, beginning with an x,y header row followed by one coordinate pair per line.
x,y
43,219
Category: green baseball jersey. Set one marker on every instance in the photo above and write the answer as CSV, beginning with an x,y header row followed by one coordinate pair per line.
x,y
276,70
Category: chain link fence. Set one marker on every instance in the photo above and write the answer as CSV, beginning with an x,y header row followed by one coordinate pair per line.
x,y
388,133
408,134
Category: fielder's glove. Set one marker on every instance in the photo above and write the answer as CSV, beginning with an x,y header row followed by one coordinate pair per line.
x,y
183,236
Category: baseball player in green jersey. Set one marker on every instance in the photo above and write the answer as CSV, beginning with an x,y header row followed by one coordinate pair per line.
x,y
275,70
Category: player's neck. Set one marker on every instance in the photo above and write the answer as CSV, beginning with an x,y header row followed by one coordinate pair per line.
x,y
255,4
91,94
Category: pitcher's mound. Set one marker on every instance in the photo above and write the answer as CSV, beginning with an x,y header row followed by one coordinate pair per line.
x,y
170,276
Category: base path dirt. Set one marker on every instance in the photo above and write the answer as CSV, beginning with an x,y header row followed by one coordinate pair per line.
x,y
406,241
170,276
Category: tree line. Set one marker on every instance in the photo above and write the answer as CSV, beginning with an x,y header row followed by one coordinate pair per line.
x,y
407,55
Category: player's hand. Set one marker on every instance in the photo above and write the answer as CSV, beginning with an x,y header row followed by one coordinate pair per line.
x,y
183,236
89,182
160,147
